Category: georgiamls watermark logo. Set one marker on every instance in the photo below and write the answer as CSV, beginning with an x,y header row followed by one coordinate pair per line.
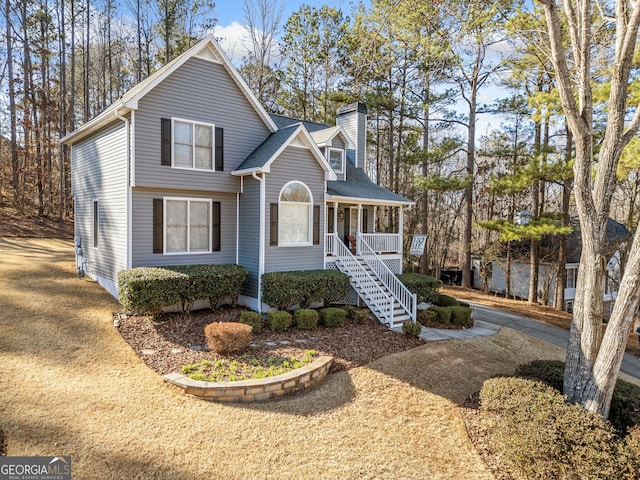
x,y
35,468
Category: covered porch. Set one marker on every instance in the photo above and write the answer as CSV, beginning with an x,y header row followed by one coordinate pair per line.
x,y
358,224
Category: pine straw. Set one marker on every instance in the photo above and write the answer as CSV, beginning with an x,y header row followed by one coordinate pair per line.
x,y
70,385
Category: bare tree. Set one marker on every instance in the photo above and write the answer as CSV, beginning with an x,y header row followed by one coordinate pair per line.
x,y
594,359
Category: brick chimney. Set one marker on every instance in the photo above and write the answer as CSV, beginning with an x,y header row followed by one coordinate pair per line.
x,y
353,118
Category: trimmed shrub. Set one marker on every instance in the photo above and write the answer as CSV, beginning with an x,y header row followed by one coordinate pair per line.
x,y
423,286
355,314
282,290
443,314
147,290
333,317
442,300
279,321
541,436
625,403
427,317
630,455
252,318
412,329
461,316
305,319
464,304
227,337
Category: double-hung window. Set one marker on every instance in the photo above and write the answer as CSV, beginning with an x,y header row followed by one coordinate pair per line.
x,y
295,222
336,159
187,225
192,145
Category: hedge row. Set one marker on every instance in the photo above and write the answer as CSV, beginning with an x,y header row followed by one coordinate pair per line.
x,y
541,436
456,315
423,286
282,290
147,290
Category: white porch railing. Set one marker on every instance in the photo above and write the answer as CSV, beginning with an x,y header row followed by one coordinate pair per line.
x,y
406,299
329,243
383,242
369,288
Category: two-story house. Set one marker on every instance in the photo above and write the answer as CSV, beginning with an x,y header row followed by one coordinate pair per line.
x,y
188,168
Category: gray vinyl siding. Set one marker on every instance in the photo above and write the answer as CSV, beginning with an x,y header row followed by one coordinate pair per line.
x,y
355,124
249,246
295,164
142,230
201,91
337,142
99,172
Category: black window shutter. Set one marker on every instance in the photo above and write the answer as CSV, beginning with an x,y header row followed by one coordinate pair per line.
x,y
219,142
316,224
330,227
157,225
215,227
165,152
273,232
365,220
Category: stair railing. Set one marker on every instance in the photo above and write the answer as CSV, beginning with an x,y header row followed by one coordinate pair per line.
x,y
405,298
379,301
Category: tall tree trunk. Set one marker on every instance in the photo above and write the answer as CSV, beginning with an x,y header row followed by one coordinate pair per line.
x,y
15,167
561,281
424,263
468,210
62,106
87,64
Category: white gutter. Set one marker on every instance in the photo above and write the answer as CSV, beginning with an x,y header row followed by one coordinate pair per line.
x,y
261,248
127,241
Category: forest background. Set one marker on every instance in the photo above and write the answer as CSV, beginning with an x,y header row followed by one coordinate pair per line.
x,y
422,68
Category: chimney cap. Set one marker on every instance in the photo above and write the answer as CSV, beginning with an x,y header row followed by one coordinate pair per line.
x,y
352,107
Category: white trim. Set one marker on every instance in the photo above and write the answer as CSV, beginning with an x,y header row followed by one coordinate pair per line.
x,y
237,226
329,141
262,235
329,174
368,201
194,124
164,224
310,209
131,98
342,158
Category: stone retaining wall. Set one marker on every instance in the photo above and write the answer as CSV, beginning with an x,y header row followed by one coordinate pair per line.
x,y
256,389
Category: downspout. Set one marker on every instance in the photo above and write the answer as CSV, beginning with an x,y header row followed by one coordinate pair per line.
x,y
261,249
128,190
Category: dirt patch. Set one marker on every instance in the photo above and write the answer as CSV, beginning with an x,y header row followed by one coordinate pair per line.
x,y
541,313
33,226
165,349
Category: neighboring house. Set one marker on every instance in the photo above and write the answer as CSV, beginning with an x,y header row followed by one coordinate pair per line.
x,y
188,168
616,235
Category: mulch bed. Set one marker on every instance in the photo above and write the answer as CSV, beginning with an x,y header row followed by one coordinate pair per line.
x,y
164,348
3,444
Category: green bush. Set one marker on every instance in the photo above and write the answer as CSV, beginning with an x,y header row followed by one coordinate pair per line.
x,y
625,403
303,287
464,304
279,321
356,315
541,436
305,319
442,300
147,290
252,318
423,286
427,317
443,315
333,317
412,329
461,316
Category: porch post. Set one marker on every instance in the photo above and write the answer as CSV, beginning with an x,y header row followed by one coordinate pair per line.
x,y
401,233
359,228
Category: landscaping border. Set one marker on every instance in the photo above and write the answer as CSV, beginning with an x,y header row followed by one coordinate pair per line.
x,y
255,390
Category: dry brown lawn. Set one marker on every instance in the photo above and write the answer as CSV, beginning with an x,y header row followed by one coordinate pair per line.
x,y
70,385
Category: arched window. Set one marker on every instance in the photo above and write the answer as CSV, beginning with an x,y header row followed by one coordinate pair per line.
x,y
295,203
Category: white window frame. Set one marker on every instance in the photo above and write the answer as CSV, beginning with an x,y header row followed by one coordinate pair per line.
x,y
164,224
333,149
573,275
193,144
309,241
95,223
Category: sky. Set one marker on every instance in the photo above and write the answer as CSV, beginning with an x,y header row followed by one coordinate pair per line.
x,y
230,15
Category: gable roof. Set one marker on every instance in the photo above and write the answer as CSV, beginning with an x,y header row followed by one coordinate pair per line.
x,y
264,155
325,136
207,49
281,121
359,186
